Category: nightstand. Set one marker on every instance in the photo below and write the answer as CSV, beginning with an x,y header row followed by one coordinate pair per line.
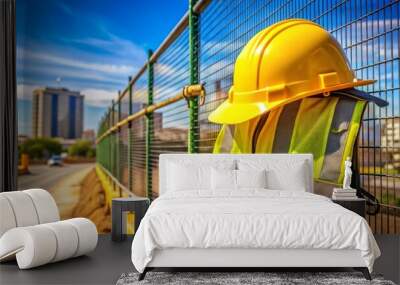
x,y
138,205
356,205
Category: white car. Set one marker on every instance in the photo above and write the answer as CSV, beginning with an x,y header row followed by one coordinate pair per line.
x,y
55,160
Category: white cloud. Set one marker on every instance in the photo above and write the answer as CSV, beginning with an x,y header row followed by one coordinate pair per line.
x,y
115,45
49,58
168,70
381,24
99,97
72,73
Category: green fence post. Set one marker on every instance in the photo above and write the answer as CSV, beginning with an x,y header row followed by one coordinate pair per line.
x,y
108,141
112,154
130,172
118,141
193,136
149,127
109,137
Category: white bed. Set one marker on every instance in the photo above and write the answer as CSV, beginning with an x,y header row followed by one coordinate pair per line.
x,y
248,227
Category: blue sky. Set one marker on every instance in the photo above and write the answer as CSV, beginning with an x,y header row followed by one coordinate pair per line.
x,y
93,46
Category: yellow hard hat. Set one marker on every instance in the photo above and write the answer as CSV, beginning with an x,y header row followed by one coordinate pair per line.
x,y
285,62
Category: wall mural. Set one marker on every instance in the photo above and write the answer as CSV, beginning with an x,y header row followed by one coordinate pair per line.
x,y
86,76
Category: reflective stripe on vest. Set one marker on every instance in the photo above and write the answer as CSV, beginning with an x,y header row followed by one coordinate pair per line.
x,y
267,135
285,126
352,135
337,140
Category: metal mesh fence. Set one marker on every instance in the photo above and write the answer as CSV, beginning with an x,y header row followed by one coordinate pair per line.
x,y
171,123
124,106
219,47
138,145
373,46
102,154
367,30
123,156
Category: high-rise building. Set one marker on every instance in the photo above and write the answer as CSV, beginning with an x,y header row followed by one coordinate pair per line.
x,y
57,112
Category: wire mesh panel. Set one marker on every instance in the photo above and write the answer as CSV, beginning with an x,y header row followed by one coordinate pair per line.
x,y
372,44
171,74
123,156
219,47
123,112
101,148
114,142
106,143
138,146
367,30
369,33
124,106
102,153
115,113
114,154
108,148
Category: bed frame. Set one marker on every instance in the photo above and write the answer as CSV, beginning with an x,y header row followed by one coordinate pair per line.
x,y
250,259
238,259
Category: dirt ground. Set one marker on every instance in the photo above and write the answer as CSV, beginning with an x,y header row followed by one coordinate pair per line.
x,y
92,203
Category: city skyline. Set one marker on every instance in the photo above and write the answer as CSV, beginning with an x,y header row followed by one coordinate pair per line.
x,y
85,48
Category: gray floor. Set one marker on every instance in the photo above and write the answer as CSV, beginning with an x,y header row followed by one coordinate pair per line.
x,y
103,266
389,262
110,260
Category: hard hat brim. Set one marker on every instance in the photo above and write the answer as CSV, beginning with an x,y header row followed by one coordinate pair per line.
x,y
228,113
362,95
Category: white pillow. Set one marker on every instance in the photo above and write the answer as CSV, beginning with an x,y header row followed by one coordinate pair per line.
x,y
223,179
281,174
251,178
292,179
186,174
183,177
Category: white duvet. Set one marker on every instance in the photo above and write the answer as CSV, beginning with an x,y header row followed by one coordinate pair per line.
x,y
250,219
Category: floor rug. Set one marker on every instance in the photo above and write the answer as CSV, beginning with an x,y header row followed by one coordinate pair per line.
x,y
233,278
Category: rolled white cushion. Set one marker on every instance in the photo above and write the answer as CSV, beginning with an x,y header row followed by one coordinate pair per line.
x,y
23,208
87,235
33,246
7,218
37,245
67,240
45,205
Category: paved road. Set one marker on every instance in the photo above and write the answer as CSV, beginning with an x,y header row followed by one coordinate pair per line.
x,y
46,177
64,183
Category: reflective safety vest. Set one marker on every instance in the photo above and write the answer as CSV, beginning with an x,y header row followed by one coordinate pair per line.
x,y
327,127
